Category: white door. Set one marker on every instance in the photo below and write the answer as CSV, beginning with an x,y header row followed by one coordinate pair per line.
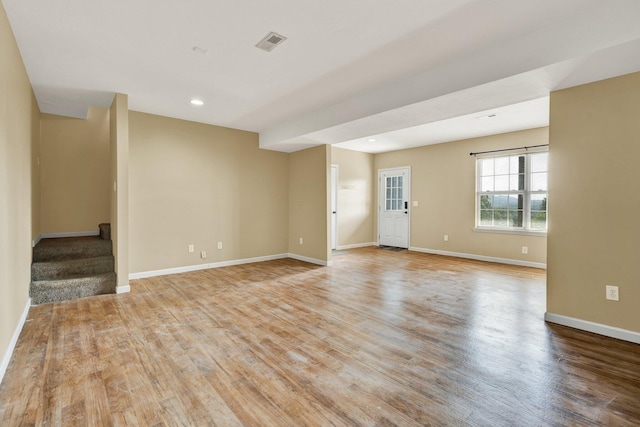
x,y
334,206
393,207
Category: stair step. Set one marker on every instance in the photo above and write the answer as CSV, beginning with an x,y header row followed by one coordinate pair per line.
x,y
44,291
67,248
63,269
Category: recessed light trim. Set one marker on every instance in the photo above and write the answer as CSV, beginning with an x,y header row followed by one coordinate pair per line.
x,y
197,102
200,50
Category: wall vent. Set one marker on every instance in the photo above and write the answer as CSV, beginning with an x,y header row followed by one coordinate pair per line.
x,y
270,41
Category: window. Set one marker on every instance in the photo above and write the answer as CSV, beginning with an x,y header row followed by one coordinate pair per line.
x,y
393,188
512,192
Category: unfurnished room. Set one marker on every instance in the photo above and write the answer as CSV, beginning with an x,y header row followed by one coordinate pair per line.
x,y
305,213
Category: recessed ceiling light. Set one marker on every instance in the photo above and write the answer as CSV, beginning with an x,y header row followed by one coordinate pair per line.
x,y
371,140
197,102
200,50
488,116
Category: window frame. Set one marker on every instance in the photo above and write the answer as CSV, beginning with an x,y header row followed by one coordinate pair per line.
x,y
526,192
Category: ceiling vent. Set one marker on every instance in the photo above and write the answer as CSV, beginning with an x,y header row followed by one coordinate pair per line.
x,y
270,41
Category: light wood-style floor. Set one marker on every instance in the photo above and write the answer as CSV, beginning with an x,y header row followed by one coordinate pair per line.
x,y
380,338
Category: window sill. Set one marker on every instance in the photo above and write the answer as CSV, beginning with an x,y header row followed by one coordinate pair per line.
x,y
510,231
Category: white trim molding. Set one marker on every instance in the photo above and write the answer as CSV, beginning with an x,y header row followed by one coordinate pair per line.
x,y
14,340
356,245
596,328
123,289
186,269
311,260
481,258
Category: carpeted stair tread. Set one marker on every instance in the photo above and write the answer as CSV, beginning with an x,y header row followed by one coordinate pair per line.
x,y
73,267
67,248
44,291
61,269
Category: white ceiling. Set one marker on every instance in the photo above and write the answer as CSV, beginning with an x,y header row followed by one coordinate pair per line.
x,y
406,72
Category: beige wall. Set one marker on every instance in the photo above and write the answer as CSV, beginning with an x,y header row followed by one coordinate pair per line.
x,y
594,200
443,183
119,187
356,201
198,184
74,158
309,176
18,134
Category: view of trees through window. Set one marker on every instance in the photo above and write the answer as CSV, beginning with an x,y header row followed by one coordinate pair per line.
x,y
512,191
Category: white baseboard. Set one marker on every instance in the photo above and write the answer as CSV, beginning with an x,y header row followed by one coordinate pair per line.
x,y
68,234
123,289
186,269
36,240
311,260
596,328
481,257
14,340
357,245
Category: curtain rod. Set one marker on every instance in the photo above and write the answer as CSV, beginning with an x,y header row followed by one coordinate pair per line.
x,y
508,149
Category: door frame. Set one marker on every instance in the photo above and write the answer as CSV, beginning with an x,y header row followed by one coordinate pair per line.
x,y
334,203
409,202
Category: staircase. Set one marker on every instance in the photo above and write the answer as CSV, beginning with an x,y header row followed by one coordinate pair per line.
x,y
73,267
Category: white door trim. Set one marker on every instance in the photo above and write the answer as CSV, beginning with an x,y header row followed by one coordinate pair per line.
x,y
334,206
408,194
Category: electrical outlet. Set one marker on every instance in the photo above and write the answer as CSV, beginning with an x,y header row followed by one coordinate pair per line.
x,y
301,241
612,293
203,254
219,245
525,250
191,249
446,237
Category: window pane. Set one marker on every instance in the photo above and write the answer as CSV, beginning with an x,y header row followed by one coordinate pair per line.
x,y
400,193
400,181
486,167
486,201
539,181
501,201
514,165
388,181
388,207
388,193
486,217
515,218
394,181
539,162
502,183
502,166
500,218
487,184
394,194
516,182
513,201
538,202
539,220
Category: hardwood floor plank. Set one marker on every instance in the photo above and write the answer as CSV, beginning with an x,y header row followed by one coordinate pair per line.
x,y
379,338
